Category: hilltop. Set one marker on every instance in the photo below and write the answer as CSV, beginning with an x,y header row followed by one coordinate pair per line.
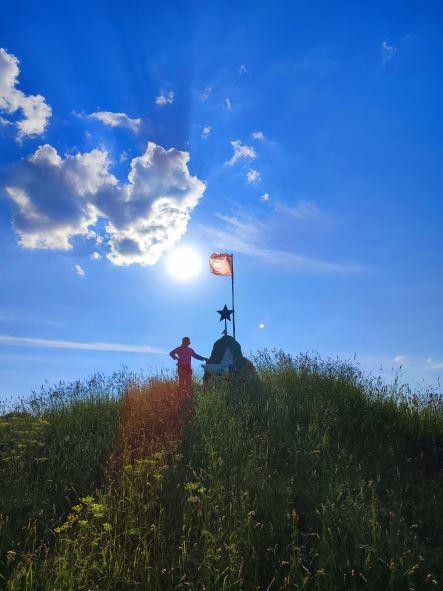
x,y
307,475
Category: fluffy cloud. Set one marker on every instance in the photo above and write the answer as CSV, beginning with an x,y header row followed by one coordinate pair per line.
x,y
154,208
206,131
165,98
34,109
52,197
55,199
116,120
96,256
228,104
241,152
242,69
265,197
4,121
258,135
253,176
79,270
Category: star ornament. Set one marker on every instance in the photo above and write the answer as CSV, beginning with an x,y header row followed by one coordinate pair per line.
x,y
225,314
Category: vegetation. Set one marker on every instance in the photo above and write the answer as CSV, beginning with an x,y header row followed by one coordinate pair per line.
x,y
305,476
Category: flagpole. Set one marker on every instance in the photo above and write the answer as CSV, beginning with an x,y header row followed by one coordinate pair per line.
x,y
232,289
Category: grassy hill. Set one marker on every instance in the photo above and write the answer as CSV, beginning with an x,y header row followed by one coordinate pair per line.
x,y
307,476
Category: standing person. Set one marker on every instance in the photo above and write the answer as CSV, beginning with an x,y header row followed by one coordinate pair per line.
x,y
183,356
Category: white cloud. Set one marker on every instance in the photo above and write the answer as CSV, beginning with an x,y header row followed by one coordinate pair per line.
x,y
206,131
242,69
153,208
4,121
401,359
55,199
88,346
34,109
245,235
388,51
206,93
79,270
116,120
241,152
245,226
265,197
253,176
228,104
96,256
258,135
52,197
302,210
165,98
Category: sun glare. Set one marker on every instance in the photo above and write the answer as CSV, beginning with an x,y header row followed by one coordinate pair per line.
x,y
184,264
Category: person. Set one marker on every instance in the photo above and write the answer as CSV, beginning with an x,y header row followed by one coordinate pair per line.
x,y
183,355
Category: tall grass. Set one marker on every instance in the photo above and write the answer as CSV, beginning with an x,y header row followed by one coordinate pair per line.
x,y
54,448
305,476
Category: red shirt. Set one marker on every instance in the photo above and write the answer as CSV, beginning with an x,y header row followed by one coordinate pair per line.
x,y
184,354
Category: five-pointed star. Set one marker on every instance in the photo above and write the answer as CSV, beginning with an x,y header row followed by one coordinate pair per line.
x,y
225,314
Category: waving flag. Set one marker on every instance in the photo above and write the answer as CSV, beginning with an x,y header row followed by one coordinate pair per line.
x,y
221,264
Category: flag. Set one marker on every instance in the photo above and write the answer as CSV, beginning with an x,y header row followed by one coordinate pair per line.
x,y
221,263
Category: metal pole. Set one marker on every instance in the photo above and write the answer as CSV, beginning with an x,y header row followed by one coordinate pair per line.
x,y
232,287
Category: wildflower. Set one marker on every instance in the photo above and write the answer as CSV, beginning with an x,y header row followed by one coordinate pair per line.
x,y
98,510
107,526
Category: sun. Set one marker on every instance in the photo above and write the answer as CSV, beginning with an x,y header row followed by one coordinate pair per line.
x,y
184,263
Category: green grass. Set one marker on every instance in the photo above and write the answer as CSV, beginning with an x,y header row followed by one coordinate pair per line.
x,y
307,476
54,447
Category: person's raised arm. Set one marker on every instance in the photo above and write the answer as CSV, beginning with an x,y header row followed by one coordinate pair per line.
x,y
199,357
173,354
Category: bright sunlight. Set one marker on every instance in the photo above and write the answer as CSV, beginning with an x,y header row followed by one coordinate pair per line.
x,y
184,263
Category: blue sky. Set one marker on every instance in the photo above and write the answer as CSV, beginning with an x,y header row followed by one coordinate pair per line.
x,y
313,131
